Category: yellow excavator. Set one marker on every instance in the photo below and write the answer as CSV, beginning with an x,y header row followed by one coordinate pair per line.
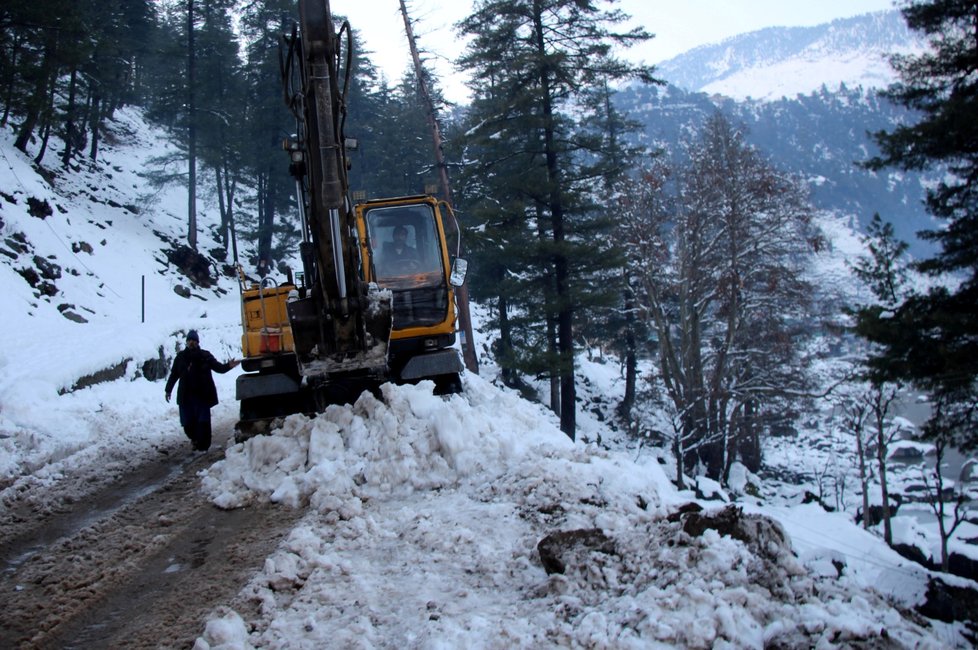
x,y
375,301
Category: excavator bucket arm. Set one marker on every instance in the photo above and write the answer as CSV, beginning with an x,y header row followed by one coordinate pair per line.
x,y
343,326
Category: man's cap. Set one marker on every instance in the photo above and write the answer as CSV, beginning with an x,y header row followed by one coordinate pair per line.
x,y
192,336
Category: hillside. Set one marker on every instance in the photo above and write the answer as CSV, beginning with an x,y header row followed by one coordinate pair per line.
x,y
95,285
820,137
415,521
779,62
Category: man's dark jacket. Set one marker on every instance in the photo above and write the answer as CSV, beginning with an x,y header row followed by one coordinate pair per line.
x,y
193,369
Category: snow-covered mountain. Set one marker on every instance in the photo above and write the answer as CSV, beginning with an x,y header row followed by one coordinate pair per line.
x,y
785,61
820,137
808,99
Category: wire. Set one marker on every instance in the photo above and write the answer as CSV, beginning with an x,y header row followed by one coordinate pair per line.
x,y
862,556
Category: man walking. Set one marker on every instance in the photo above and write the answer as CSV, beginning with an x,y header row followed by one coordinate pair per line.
x,y
196,393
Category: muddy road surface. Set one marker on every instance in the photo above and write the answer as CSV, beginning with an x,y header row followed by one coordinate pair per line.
x,y
137,559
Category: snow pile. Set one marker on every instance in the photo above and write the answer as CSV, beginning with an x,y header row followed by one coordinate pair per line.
x,y
412,440
428,521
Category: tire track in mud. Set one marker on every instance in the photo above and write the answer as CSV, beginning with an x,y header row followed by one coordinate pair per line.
x,y
146,575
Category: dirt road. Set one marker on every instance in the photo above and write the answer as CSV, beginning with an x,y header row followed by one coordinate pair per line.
x,y
136,561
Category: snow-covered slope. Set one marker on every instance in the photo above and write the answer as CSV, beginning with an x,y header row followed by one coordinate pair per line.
x,y
783,62
79,250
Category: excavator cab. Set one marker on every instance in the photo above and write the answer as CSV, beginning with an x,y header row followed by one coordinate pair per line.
x,y
404,250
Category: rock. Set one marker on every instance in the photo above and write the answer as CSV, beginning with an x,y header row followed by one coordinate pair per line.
x,y
17,243
192,264
969,472
49,270
875,514
963,566
686,508
707,488
73,316
567,548
39,208
913,554
43,287
106,374
811,497
181,291
949,603
762,535
156,369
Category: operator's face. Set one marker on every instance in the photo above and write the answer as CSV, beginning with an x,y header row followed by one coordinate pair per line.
x,y
400,236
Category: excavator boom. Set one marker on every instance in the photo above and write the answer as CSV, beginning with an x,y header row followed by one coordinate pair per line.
x,y
343,326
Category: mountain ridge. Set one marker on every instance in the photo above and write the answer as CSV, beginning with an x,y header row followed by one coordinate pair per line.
x,y
777,62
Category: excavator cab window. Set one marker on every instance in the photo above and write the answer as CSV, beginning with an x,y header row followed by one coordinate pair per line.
x,y
406,257
405,246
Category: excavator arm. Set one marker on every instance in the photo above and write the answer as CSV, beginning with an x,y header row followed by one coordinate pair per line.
x,y
343,325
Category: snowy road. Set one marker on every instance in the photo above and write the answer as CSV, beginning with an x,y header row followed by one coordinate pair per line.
x,y
132,560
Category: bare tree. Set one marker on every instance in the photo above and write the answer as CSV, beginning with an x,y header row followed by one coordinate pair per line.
x,y
881,399
855,415
191,129
937,493
716,246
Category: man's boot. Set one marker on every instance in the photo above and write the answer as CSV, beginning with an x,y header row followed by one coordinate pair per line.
x,y
203,436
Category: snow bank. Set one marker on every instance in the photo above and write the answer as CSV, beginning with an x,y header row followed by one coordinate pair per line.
x,y
409,440
104,245
425,518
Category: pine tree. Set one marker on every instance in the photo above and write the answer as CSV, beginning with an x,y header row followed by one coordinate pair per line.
x,y
931,339
221,106
67,66
534,59
267,124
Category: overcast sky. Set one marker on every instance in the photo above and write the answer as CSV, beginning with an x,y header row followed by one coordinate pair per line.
x,y
678,25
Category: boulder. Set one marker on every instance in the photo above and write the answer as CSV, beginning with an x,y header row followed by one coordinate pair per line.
x,y
562,550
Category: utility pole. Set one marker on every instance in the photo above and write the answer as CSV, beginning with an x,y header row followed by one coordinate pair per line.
x,y
462,292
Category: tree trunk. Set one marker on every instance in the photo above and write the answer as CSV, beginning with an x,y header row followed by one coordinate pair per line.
x,y
47,119
631,359
266,222
225,193
95,120
749,447
863,474
565,307
881,447
462,292
191,130
9,82
40,93
70,119
505,349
